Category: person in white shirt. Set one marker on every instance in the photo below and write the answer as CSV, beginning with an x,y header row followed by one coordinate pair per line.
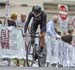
x,y
51,32
20,25
51,28
21,22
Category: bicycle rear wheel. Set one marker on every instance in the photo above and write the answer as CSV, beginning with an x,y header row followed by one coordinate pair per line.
x,y
42,60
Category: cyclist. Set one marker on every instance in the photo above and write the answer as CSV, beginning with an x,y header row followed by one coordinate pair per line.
x,y
39,18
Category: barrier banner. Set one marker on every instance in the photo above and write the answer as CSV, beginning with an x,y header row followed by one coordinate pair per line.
x,y
16,44
59,52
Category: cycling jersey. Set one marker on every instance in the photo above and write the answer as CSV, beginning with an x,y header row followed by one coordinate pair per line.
x,y
39,20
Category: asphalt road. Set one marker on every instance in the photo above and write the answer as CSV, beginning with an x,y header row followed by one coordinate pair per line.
x,y
34,68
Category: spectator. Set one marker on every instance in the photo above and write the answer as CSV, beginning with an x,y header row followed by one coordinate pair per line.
x,y
20,25
22,22
51,29
68,37
12,21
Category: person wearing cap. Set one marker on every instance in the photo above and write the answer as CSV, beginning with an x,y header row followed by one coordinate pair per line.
x,y
51,27
39,18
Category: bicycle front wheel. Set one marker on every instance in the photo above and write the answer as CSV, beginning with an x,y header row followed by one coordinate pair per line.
x,y
29,55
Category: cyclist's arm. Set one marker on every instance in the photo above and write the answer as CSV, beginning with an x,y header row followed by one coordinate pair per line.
x,y
28,20
44,23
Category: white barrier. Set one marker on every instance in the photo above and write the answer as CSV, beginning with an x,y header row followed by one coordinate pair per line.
x,y
57,50
16,45
60,52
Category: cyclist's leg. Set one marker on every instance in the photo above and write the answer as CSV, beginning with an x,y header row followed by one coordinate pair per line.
x,y
42,40
42,51
42,36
